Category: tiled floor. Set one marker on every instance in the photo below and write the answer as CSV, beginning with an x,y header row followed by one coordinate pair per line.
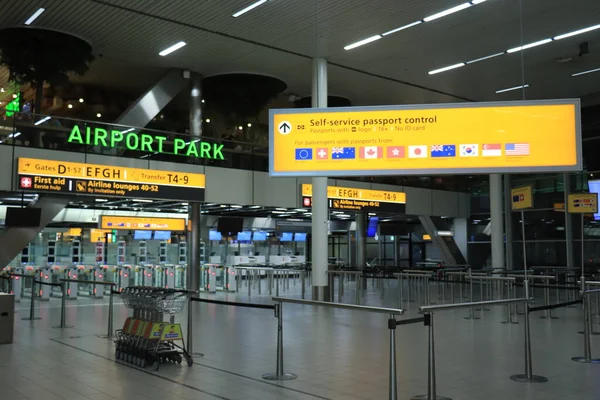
x,y
337,354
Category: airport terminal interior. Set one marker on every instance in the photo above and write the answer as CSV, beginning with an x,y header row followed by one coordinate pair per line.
x,y
285,199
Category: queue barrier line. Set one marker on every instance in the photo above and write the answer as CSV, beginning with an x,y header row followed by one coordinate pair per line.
x,y
234,303
554,306
392,324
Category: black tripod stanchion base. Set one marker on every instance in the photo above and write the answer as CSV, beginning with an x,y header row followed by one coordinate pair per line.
x,y
283,377
533,379
592,333
62,327
586,360
30,319
426,397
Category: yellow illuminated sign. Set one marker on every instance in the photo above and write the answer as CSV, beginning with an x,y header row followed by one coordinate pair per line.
x,y
74,232
335,192
98,235
583,203
535,136
426,237
142,223
107,180
354,199
559,206
522,197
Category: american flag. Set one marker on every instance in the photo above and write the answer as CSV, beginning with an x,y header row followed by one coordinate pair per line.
x,y
516,149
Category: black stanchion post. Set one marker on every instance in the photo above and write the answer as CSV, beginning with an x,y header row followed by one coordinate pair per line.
x,y
279,374
587,317
431,381
528,375
63,308
393,379
32,316
110,314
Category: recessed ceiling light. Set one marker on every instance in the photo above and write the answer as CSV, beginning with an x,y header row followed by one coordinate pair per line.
x,y
15,96
35,16
528,46
511,89
240,127
578,32
250,7
171,49
587,72
208,120
70,106
401,28
362,42
81,100
249,125
485,58
447,12
448,68
98,115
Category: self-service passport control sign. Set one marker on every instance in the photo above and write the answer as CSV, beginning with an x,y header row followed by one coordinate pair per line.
x,y
106,180
463,138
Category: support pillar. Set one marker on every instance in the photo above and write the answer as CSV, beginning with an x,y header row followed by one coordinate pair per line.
x,y
497,219
508,223
320,205
193,268
568,222
361,241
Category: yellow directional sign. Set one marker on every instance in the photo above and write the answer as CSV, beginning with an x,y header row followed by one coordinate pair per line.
x,y
345,198
108,180
427,139
583,203
522,197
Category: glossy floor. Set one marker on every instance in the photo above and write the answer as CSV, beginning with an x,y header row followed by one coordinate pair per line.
x,y
337,354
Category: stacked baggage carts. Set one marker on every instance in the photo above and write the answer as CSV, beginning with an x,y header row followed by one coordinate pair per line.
x,y
146,339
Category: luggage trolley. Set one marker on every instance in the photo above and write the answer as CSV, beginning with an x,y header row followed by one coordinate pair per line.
x,y
145,338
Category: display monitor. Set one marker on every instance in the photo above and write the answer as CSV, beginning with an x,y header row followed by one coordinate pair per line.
x,y
393,229
244,236
286,237
214,235
22,217
142,235
594,187
162,235
372,227
229,226
259,236
299,237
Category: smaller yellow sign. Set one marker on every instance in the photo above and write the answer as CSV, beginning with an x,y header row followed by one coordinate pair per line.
x,y
335,192
583,203
559,207
98,235
426,237
141,223
522,197
74,232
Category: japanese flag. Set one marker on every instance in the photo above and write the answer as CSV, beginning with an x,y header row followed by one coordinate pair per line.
x,y
417,151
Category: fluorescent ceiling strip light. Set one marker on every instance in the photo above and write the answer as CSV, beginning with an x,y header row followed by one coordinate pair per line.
x,y
448,68
447,12
171,49
35,16
475,2
142,201
41,121
485,58
250,7
579,32
528,46
362,42
128,130
402,28
14,135
512,88
587,72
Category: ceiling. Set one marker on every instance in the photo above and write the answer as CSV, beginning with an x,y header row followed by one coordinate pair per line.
x,y
280,37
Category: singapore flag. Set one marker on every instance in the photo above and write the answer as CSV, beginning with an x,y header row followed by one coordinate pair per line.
x,y
417,151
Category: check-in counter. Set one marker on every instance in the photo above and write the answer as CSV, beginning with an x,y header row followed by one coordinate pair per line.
x,y
282,260
214,260
245,260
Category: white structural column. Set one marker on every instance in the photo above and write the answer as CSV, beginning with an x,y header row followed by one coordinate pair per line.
x,y
497,219
320,212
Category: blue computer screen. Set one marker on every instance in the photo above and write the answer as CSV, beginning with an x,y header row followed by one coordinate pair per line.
x,y
162,235
214,235
286,237
594,187
299,237
372,227
259,236
142,235
244,236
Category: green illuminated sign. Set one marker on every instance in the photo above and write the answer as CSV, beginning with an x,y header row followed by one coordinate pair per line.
x,y
144,142
13,106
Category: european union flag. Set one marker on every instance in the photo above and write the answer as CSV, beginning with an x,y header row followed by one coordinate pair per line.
x,y
343,153
304,154
443,150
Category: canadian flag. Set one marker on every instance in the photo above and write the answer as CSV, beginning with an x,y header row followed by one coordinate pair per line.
x,y
371,152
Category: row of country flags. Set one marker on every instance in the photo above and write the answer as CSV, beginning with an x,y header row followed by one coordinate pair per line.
x,y
421,151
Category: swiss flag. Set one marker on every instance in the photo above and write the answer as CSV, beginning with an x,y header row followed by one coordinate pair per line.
x,y
395,152
26,182
371,152
322,153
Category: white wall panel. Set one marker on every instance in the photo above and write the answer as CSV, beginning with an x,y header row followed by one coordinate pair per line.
x,y
275,192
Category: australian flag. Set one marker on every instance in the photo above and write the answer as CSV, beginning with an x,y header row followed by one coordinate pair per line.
x,y
443,150
343,153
